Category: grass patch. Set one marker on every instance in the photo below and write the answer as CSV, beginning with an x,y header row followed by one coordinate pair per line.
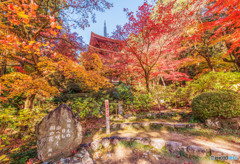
x,y
156,127
165,116
135,145
164,150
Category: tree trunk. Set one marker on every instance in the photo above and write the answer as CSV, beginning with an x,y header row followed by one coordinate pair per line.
x,y
237,60
210,65
163,82
147,82
235,53
159,104
3,67
29,102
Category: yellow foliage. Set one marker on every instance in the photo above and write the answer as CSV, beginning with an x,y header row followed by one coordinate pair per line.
x,y
91,61
19,84
88,79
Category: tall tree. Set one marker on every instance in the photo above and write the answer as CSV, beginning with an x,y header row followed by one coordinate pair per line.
x,y
153,38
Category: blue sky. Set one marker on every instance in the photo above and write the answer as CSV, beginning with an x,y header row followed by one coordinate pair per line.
x,y
114,16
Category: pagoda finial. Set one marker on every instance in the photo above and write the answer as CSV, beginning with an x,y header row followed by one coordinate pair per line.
x,y
105,29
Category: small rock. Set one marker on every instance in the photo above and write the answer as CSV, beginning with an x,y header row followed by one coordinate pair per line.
x,y
95,145
180,125
136,125
157,143
76,161
114,137
149,115
145,124
155,124
82,154
167,125
97,155
125,125
184,149
106,142
145,154
127,115
115,141
156,157
87,160
84,145
143,141
62,161
114,126
233,123
79,155
197,151
173,147
128,139
215,124
68,159
193,125
160,114
128,125
171,113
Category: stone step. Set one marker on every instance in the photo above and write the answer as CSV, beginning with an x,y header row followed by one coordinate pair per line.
x,y
171,146
154,125
153,115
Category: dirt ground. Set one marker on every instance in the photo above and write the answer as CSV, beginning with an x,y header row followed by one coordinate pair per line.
x,y
129,156
133,156
184,138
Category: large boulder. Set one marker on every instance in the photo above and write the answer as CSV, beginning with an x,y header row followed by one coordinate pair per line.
x,y
58,134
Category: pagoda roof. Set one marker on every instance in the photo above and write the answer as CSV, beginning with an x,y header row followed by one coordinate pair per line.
x,y
98,38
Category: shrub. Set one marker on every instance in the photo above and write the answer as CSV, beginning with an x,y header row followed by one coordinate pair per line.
x,y
123,92
85,107
224,104
19,124
171,95
213,81
142,100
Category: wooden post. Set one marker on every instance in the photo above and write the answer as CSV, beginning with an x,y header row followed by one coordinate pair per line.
x,y
120,108
116,110
107,117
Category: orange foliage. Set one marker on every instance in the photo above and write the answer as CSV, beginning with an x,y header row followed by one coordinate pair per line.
x,y
28,30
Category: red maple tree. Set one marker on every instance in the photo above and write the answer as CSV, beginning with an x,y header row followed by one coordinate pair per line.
x,y
223,17
154,36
